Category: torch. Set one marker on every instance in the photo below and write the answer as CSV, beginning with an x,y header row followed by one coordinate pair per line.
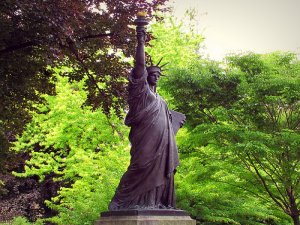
x,y
141,21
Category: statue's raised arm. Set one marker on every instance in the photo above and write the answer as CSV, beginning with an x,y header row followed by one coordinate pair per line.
x,y
139,61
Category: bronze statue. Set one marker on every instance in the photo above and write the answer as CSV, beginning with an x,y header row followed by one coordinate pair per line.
x,y
148,182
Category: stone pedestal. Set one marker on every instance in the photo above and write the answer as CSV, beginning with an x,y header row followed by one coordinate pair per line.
x,y
146,217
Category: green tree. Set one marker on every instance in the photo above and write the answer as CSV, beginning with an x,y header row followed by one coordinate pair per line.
x,y
199,192
174,41
249,114
81,148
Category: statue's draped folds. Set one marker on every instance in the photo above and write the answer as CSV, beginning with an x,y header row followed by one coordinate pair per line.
x,y
149,179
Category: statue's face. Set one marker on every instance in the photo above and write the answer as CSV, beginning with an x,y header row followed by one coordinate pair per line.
x,y
153,75
153,78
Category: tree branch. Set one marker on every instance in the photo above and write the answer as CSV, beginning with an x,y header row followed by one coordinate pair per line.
x,y
297,122
17,47
27,44
245,189
210,116
274,198
234,118
95,36
270,114
74,51
262,166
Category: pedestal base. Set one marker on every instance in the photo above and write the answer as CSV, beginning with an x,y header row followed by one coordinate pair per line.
x,y
146,217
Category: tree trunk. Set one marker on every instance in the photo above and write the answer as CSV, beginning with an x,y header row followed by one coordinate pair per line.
x,y
294,212
296,219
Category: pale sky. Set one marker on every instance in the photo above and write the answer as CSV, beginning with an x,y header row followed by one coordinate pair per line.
x,y
260,26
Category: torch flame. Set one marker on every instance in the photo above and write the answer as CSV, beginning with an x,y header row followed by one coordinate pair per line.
x,y
142,14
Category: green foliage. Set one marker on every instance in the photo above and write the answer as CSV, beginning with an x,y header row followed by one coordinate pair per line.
x,y
81,148
201,88
22,221
209,183
213,185
176,41
244,132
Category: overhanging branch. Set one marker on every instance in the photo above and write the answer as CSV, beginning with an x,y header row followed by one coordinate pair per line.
x,y
17,47
27,44
95,36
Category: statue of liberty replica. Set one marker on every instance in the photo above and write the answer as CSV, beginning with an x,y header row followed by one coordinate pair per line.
x,y
147,187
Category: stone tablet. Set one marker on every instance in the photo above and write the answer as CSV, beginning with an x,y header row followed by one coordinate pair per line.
x,y
177,119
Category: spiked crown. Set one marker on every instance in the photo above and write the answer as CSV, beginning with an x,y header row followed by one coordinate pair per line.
x,y
156,68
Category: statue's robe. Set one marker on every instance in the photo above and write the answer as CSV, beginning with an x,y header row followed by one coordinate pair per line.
x,y
149,179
